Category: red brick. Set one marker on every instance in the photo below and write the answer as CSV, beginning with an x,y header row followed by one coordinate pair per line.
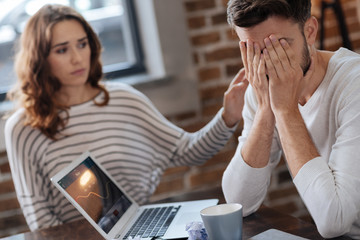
x,y
178,118
223,157
356,43
7,187
353,27
332,32
3,154
206,178
205,39
185,116
213,92
196,22
219,19
334,46
170,186
9,204
5,168
206,74
233,69
196,58
12,222
195,126
349,12
231,35
223,54
198,5
212,109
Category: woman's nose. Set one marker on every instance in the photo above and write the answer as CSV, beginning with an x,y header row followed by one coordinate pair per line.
x,y
76,56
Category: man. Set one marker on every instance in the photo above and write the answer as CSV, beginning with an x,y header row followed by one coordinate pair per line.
x,y
302,102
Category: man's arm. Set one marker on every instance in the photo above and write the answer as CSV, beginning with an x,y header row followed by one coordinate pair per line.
x,y
250,169
296,142
242,183
263,127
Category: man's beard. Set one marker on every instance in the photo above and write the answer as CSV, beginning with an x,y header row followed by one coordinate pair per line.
x,y
306,59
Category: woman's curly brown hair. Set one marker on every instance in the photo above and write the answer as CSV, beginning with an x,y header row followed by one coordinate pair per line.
x,y
36,88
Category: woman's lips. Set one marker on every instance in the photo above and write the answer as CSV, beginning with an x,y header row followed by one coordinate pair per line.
x,y
78,72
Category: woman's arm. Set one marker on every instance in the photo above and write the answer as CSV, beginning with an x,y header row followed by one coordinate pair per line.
x,y
31,187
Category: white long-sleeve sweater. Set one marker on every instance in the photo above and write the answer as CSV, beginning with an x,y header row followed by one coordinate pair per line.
x,y
330,184
129,137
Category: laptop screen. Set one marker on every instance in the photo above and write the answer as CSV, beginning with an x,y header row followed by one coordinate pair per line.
x,y
100,198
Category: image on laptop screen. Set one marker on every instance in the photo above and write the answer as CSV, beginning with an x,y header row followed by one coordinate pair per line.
x,y
96,194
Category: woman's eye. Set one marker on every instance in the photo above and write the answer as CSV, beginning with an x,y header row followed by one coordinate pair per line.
x,y
83,44
61,50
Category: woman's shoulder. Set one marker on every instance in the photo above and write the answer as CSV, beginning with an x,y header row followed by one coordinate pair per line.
x,y
15,126
117,89
15,118
113,86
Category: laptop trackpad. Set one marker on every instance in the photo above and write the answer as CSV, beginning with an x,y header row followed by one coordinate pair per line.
x,y
188,217
177,229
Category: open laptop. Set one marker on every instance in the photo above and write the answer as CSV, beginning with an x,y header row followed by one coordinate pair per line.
x,y
114,214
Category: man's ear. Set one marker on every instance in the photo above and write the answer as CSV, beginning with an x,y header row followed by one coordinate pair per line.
x,y
310,30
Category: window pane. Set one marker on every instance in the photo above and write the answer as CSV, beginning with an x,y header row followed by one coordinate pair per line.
x,y
111,20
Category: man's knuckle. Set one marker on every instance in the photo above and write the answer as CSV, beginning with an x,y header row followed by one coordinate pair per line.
x,y
276,61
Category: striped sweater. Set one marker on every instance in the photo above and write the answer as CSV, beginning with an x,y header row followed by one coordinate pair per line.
x,y
129,137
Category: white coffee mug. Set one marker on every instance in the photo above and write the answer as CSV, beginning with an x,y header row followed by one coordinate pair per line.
x,y
223,221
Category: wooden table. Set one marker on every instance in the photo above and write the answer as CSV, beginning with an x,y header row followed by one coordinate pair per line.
x,y
265,218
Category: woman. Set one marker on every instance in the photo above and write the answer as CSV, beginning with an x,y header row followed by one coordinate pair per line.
x,y
64,110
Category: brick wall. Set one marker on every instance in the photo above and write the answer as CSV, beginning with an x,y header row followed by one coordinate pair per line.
x,y
217,59
12,220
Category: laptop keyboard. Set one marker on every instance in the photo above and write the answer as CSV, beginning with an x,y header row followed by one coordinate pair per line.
x,y
153,222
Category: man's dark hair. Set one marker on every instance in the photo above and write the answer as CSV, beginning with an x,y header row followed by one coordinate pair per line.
x,y
248,13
